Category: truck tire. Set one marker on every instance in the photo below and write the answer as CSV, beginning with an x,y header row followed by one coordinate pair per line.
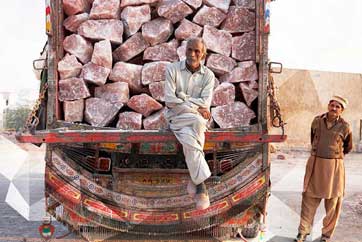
x,y
251,230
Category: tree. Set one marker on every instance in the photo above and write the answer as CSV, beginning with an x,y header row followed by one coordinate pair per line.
x,y
15,118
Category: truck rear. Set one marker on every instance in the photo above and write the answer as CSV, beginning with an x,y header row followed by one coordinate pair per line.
x,y
112,166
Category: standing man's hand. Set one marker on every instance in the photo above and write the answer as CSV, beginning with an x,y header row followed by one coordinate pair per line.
x,y
205,113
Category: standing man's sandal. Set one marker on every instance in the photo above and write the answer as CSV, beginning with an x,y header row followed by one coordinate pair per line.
x,y
202,201
301,237
325,239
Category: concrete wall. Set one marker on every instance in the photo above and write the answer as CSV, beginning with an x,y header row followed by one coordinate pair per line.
x,y
304,94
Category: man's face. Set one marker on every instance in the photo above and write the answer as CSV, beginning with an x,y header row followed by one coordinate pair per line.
x,y
194,53
335,109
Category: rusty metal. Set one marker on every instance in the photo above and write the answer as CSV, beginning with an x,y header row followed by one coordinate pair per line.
x,y
120,136
32,120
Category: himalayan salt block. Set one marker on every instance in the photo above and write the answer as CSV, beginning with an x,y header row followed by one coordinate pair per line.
x,y
233,115
223,94
73,22
244,47
72,7
193,3
216,40
250,4
249,93
157,31
103,29
187,29
73,110
209,16
174,10
129,73
162,52
220,64
246,71
117,92
69,67
95,74
72,89
220,4
239,20
99,112
80,47
125,3
154,72
105,9
134,17
157,90
130,48
156,121
144,104
102,54
129,121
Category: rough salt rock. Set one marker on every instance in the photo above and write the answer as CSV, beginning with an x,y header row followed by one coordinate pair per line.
x,y
73,22
156,121
216,83
232,115
105,9
249,93
129,73
223,94
78,46
216,40
162,52
144,104
69,67
243,47
181,51
129,121
104,29
245,3
209,16
95,74
253,84
72,7
125,3
133,46
193,3
239,20
117,92
157,90
220,4
102,54
246,71
220,64
99,112
72,89
187,29
157,31
134,17
73,110
154,72
174,10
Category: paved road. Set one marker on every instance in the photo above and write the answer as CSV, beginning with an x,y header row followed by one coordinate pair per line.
x,y
22,203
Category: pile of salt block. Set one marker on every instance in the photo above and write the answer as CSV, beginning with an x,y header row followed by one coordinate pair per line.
x,y
113,72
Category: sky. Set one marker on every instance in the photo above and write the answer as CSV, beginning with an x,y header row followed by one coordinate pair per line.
x,y
309,34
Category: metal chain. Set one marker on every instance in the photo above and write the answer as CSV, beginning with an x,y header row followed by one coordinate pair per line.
x,y
276,117
32,120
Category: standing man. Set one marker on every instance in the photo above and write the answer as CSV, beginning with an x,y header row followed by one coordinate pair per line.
x,y
331,139
188,93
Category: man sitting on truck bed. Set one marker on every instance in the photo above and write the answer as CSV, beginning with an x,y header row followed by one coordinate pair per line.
x,y
188,94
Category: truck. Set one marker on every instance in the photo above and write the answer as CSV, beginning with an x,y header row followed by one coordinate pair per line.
x,y
107,182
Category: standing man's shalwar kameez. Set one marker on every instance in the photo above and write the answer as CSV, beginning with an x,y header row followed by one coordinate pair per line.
x,y
325,173
185,92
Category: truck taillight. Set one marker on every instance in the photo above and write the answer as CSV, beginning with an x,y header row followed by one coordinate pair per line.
x,y
48,23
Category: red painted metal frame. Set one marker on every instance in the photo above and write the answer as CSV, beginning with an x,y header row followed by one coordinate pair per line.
x,y
116,136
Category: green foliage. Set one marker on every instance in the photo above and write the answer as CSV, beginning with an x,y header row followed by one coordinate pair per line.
x,y
15,118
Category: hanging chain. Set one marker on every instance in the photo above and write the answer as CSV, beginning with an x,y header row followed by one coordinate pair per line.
x,y
275,115
33,120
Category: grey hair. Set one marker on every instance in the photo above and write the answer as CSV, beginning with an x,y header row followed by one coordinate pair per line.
x,y
198,39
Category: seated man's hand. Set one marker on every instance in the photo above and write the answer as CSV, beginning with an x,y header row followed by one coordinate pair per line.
x,y
205,113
